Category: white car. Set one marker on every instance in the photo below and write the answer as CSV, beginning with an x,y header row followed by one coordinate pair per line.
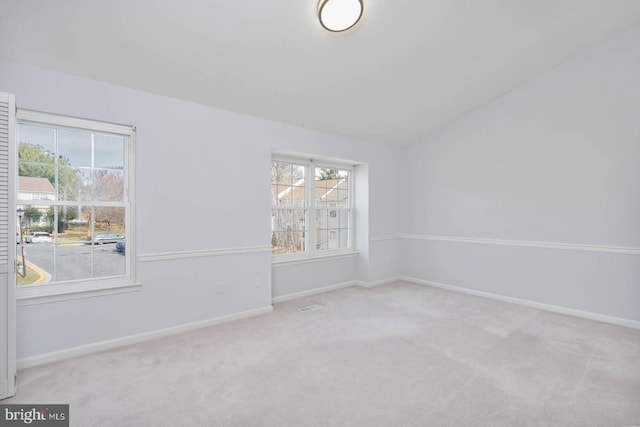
x,y
102,238
37,237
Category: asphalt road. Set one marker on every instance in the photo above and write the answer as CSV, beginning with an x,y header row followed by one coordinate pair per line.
x,y
74,262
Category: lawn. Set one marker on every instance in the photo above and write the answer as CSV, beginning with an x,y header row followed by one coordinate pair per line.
x,y
32,276
79,234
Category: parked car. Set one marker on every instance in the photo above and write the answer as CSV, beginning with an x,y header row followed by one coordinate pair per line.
x,y
37,237
78,221
101,238
121,246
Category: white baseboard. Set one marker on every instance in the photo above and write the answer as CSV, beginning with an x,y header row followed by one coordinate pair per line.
x,y
315,291
378,282
528,303
329,288
55,356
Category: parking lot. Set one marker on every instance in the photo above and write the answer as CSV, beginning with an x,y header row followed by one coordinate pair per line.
x,y
75,261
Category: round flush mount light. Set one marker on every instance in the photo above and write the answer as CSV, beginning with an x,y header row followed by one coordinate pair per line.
x,y
339,15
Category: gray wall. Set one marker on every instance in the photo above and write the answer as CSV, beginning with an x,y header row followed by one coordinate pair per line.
x,y
488,199
193,162
533,196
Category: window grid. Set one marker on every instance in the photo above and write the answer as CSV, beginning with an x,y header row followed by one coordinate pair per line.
x,y
312,209
86,164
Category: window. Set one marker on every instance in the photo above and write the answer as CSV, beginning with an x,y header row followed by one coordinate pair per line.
x,y
74,204
312,210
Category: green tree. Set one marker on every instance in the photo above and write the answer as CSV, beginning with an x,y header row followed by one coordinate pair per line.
x,y
326,174
51,215
31,214
70,212
323,174
36,161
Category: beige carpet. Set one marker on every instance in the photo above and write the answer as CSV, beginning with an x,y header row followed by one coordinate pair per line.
x,y
395,355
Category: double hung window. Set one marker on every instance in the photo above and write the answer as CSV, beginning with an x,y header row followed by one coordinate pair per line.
x,y
74,203
312,208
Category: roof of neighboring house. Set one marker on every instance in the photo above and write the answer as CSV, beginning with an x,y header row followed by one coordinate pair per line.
x,y
332,190
329,190
31,184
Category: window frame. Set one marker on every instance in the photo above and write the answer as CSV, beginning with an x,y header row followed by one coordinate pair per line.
x,y
84,288
312,253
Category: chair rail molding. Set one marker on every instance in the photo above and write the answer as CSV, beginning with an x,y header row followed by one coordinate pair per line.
x,y
383,237
164,256
528,244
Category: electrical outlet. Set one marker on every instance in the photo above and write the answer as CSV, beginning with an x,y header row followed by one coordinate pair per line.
x,y
258,281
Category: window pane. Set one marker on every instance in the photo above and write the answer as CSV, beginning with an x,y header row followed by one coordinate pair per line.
x,y
36,163
74,148
33,241
36,144
108,185
288,234
77,224
86,185
36,181
287,184
38,259
107,262
34,218
298,172
332,229
73,261
332,187
322,239
108,151
323,184
74,151
69,182
322,222
36,189
83,260
343,219
33,186
108,229
298,193
343,238
341,198
108,220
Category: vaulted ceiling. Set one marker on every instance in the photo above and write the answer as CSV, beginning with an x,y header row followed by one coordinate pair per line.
x,y
409,66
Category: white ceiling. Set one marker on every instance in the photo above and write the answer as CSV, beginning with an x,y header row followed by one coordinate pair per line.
x,y
407,68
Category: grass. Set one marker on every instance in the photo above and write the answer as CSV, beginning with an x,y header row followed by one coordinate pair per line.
x,y
32,276
73,235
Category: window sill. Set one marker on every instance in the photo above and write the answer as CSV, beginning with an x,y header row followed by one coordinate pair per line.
x,y
276,262
43,294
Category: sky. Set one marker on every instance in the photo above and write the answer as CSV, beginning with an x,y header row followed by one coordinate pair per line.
x,y
75,145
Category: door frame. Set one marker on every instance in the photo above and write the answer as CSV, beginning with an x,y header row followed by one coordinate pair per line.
x,y
8,270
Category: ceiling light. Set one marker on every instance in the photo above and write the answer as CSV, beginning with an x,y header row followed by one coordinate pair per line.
x,y
339,15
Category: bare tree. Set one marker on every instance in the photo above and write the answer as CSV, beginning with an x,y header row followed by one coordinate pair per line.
x,y
288,215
